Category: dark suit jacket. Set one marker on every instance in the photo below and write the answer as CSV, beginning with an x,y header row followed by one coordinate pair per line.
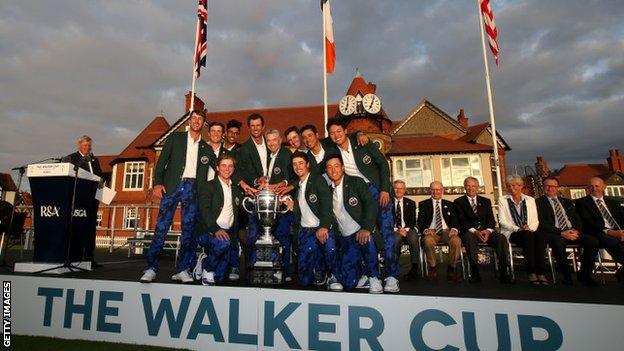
x,y
483,219
425,214
172,160
210,199
547,217
83,162
249,163
408,210
319,197
592,220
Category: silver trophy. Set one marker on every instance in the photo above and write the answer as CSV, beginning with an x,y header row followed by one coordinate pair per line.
x,y
266,206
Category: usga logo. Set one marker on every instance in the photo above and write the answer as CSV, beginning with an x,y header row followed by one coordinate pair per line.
x,y
80,212
49,211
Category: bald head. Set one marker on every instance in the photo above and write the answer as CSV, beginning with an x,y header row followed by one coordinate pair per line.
x,y
596,187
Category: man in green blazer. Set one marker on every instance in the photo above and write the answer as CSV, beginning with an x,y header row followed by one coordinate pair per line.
x,y
312,207
355,211
185,158
218,207
369,164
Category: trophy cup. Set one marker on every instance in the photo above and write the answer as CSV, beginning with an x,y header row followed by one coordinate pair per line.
x,y
268,268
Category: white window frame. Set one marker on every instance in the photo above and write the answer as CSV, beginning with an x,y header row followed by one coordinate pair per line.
x,y
140,175
98,221
615,190
128,211
426,179
577,193
447,180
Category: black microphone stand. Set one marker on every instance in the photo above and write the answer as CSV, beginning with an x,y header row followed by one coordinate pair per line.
x,y
68,264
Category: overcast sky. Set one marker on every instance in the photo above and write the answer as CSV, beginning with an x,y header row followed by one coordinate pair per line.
x,y
106,68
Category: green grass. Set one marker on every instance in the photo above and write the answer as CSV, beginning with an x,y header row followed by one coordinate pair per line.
x,y
40,343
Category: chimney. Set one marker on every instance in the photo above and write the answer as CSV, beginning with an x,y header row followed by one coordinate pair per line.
x,y
462,119
198,105
541,167
615,161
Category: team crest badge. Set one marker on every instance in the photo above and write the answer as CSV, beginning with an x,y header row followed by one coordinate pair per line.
x,y
277,170
204,160
312,198
366,159
236,201
353,201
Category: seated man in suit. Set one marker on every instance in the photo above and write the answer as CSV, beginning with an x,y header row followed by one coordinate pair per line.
x,y
355,211
439,223
603,218
312,207
218,202
561,225
476,219
404,211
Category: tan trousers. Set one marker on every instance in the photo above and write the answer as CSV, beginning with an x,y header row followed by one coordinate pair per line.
x,y
454,244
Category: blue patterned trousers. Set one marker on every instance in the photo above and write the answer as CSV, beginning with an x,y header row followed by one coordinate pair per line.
x,y
314,256
217,252
352,254
385,223
281,232
185,195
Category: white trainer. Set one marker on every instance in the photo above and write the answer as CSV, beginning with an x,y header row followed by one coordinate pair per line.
x,y
199,267
208,278
375,286
148,275
362,283
333,284
234,274
183,276
392,285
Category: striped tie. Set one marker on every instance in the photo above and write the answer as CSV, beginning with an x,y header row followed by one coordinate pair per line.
x,y
438,218
474,205
561,217
606,215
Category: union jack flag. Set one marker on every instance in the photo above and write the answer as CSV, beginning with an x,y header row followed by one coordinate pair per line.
x,y
490,27
200,42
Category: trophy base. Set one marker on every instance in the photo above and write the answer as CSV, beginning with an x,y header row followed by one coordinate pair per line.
x,y
266,276
268,268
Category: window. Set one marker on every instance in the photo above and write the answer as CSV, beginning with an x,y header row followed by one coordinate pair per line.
x,y
98,221
416,172
130,218
133,175
577,193
615,190
456,169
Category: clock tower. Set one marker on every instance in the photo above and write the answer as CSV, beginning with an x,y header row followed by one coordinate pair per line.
x,y
362,110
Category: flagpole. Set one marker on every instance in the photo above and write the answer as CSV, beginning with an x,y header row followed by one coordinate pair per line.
x,y
490,104
192,104
325,112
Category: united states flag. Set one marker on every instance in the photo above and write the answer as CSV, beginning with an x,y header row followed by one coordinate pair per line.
x,y
200,42
490,27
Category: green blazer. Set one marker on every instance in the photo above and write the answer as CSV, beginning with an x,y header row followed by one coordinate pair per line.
x,y
210,200
249,163
213,159
359,202
282,169
330,148
170,165
319,197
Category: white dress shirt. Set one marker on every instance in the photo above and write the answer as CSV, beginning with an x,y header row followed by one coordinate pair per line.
x,y
348,159
90,160
346,223
396,205
262,152
211,171
506,220
226,217
476,201
567,224
308,218
433,219
604,204
320,156
192,148
271,165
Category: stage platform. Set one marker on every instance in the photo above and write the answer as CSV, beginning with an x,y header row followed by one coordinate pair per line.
x,y
118,267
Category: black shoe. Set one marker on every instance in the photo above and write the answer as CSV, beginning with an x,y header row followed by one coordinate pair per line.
x,y
619,274
586,279
567,280
505,278
413,273
95,265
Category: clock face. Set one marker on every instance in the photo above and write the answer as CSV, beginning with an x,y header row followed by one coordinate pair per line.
x,y
371,103
347,105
